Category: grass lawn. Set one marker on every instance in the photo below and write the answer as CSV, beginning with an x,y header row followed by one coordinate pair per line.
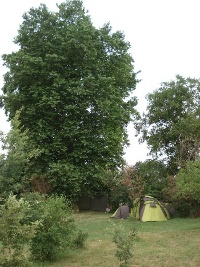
x,y
173,243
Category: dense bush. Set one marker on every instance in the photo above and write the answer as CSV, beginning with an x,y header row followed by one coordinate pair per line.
x,y
183,190
58,231
15,234
38,227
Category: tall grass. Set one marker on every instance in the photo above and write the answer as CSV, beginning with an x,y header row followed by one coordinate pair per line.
x,y
159,244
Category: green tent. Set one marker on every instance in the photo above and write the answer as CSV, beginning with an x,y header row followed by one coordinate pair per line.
x,y
149,209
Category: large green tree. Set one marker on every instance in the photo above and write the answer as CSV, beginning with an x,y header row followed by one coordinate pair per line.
x,y
72,84
171,125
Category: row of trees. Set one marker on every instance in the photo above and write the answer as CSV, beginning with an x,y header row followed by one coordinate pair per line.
x,y
69,94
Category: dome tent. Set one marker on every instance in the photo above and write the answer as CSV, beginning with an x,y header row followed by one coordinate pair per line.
x,y
122,212
149,209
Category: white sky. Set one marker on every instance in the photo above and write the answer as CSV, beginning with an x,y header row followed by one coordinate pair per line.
x,y
164,37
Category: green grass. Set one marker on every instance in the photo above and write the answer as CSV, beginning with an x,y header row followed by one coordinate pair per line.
x,y
159,244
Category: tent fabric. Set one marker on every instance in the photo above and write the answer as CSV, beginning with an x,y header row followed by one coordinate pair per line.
x,y
135,211
149,209
121,213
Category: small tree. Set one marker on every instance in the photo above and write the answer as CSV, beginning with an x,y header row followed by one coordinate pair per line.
x,y
134,183
124,241
123,186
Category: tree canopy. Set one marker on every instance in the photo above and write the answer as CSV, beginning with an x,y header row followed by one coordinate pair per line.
x,y
72,85
171,125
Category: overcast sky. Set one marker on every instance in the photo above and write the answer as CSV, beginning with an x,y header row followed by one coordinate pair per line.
x,y
164,37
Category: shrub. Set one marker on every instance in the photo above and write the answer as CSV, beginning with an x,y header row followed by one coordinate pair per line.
x,y
124,241
15,235
36,201
57,232
79,239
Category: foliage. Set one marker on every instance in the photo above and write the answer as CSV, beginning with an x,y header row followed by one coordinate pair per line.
x,y
36,201
188,181
170,192
183,190
37,227
134,183
153,173
69,176
15,235
58,232
188,185
171,126
73,85
15,167
118,195
14,161
124,241
40,184
80,239
123,186
117,192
